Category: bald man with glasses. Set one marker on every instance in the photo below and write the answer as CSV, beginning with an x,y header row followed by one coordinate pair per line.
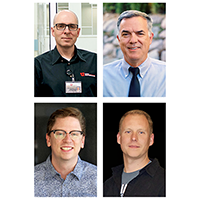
x,y
66,71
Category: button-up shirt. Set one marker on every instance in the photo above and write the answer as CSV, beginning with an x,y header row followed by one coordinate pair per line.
x,y
81,182
50,73
117,78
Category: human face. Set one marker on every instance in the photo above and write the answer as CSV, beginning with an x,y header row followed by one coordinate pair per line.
x,y
66,38
66,149
134,40
134,137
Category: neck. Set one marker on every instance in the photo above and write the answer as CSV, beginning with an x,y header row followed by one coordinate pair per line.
x,y
66,52
131,165
64,167
135,63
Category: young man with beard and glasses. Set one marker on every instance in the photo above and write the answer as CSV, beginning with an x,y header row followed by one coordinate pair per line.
x,y
136,75
64,174
139,176
66,71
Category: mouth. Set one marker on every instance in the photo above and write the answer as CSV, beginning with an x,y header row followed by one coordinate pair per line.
x,y
66,38
134,146
133,48
66,148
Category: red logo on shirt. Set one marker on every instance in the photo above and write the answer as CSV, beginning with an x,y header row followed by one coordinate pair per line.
x,y
87,74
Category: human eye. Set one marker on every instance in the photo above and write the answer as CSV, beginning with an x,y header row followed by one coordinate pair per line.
x,y
73,26
61,26
125,34
127,131
141,132
74,134
59,134
140,33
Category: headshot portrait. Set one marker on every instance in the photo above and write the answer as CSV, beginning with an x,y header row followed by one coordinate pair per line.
x,y
65,150
134,50
134,150
67,66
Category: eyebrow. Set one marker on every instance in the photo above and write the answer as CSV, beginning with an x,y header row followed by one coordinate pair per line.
x,y
125,31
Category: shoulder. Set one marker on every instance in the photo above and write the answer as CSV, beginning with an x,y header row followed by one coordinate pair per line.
x,y
156,171
88,167
114,64
45,55
160,65
112,69
39,170
86,53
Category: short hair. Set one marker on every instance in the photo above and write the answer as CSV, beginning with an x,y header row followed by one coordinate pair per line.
x,y
67,112
135,13
138,112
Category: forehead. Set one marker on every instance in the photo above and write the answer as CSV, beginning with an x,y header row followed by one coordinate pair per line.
x,y
134,24
135,121
65,17
67,121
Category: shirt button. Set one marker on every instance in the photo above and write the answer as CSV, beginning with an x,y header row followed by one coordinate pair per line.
x,y
68,63
61,61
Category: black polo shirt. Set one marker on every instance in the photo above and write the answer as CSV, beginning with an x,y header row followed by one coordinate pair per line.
x,y
149,183
50,73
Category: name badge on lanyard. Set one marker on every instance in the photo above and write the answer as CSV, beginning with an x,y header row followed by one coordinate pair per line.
x,y
72,86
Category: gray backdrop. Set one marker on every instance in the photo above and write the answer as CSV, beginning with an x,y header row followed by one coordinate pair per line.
x,y
42,114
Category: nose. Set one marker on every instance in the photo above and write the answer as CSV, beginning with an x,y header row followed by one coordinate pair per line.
x,y
67,29
134,136
133,38
67,138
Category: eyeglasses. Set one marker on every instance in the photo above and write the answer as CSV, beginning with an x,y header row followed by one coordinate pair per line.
x,y
62,27
61,134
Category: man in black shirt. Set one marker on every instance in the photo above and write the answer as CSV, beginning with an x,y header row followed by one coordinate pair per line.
x,y
139,175
66,70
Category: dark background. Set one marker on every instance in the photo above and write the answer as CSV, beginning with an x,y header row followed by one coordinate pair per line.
x,y
42,114
112,113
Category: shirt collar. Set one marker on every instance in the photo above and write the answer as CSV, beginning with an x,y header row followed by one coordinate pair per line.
x,y
151,168
143,67
56,55
51,172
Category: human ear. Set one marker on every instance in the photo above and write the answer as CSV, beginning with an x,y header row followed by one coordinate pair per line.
x,y
151,37
48,140
151,139
52,32
118,38
78,32
83,142
118,138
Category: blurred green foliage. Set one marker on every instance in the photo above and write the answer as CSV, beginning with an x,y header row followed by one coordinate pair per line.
x,y
149,8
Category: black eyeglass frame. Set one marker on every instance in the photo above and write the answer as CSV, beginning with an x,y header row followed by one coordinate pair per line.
x,y
65,26
53,131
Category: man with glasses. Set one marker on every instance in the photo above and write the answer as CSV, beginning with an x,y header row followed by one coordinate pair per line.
x,y
64,174
66,71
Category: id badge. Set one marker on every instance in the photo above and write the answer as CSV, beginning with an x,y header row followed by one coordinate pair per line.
x,y
73,87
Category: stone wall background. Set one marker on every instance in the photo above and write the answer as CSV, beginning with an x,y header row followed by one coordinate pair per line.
x,y
111,49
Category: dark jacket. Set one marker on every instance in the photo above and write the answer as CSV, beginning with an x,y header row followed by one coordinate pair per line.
x,y
149,183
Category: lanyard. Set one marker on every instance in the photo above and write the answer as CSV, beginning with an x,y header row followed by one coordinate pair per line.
x,y
123,189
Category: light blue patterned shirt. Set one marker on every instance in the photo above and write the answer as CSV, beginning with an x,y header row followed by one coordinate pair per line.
x,y
81,182
152,77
